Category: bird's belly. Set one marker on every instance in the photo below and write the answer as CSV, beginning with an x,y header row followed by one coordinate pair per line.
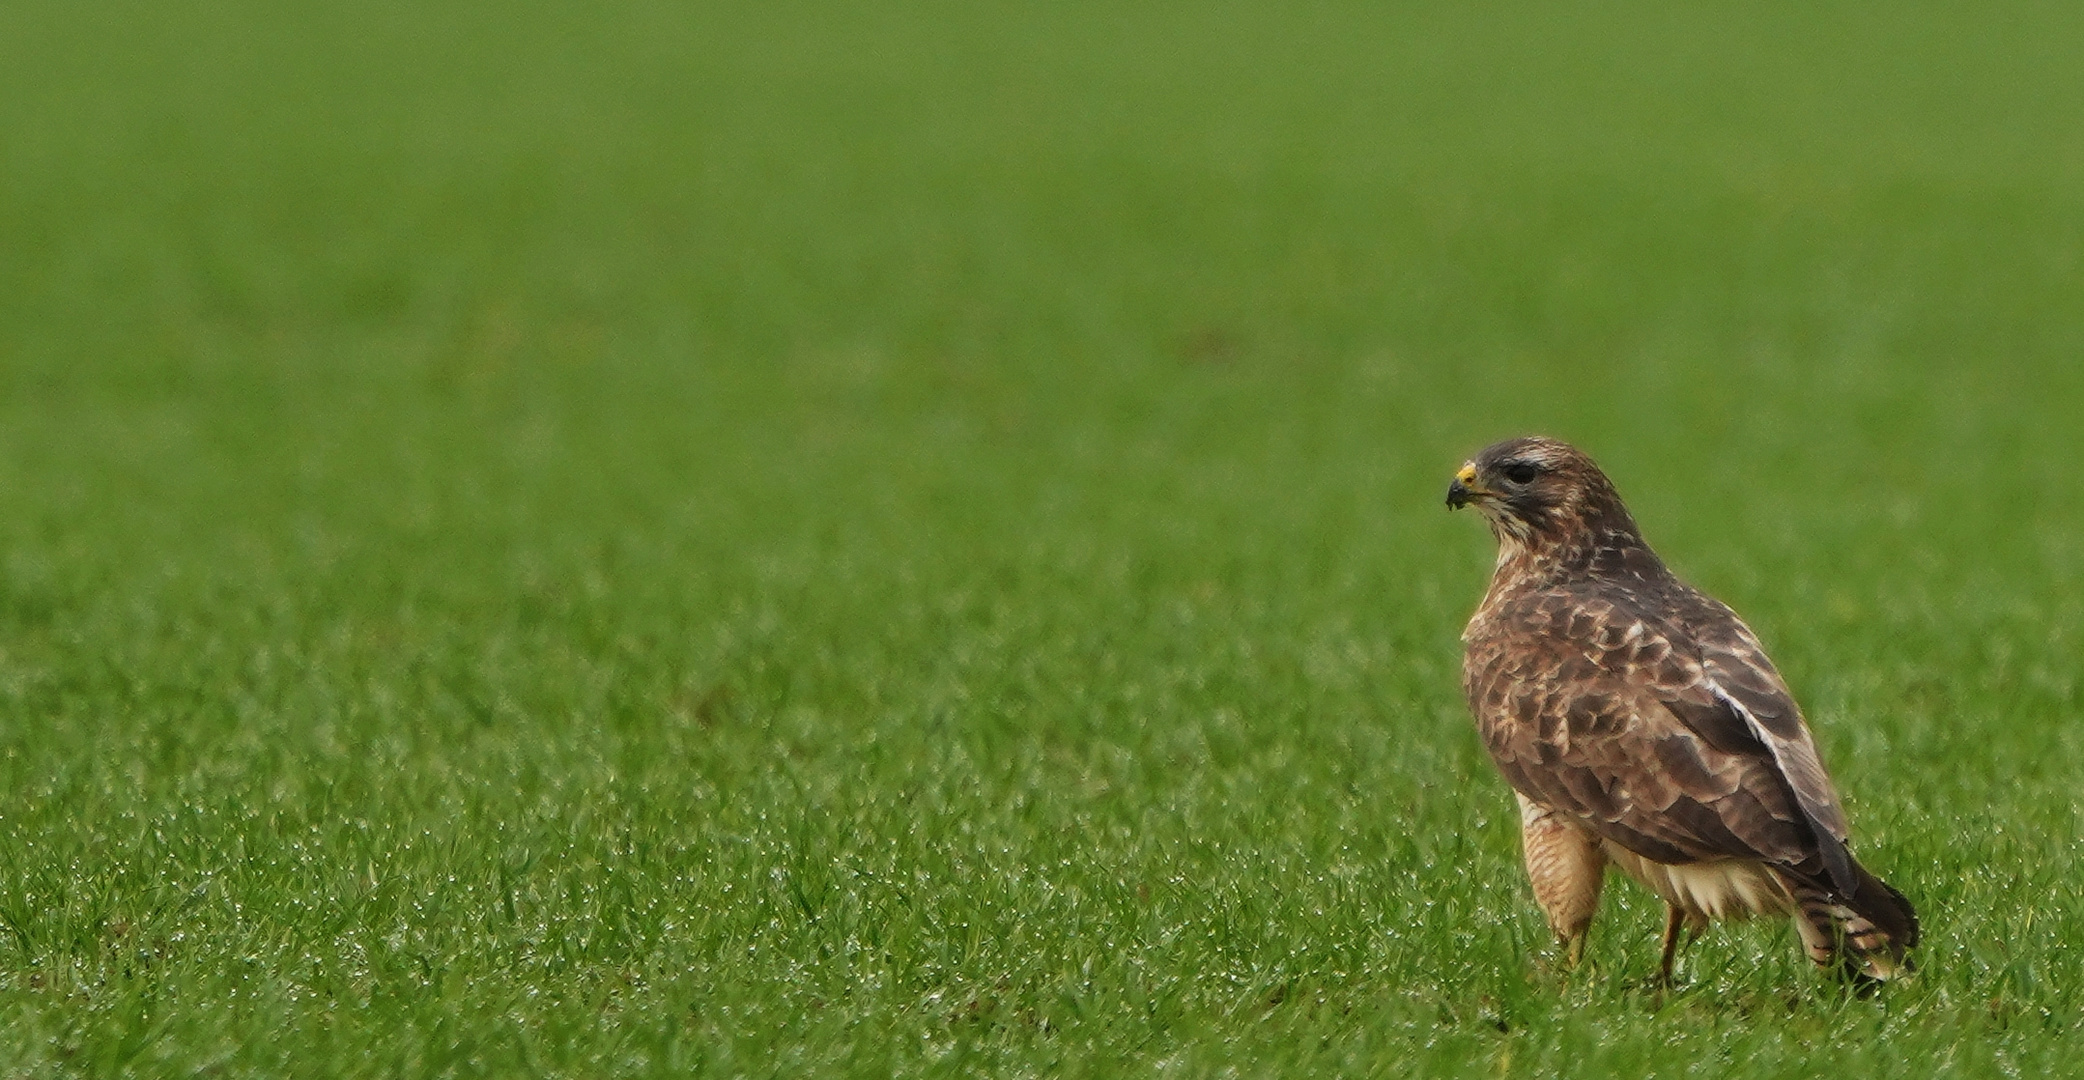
x,y
1723,889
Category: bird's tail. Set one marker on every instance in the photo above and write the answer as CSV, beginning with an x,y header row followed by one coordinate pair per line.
x,y
1866,934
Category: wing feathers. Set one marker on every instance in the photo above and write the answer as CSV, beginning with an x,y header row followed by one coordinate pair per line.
x,y
1805,777
1674,738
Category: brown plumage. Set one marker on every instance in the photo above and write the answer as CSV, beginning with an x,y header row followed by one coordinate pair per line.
x,y
1642,725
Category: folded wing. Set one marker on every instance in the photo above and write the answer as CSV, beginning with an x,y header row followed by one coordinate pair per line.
x,y
1677,748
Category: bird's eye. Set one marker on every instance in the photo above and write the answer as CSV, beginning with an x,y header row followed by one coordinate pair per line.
x,y
1521,472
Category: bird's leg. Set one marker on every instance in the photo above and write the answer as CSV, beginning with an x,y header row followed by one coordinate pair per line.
x,y
1674,923
1566,867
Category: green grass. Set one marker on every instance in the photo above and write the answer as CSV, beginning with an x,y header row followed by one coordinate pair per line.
x,y
823,538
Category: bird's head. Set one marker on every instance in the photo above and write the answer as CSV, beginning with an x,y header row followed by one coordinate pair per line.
x,y
1537,492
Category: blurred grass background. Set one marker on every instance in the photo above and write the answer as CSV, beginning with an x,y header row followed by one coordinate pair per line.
x,y
836,537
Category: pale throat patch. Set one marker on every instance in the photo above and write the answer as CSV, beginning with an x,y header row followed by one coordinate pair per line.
x,y
1512,533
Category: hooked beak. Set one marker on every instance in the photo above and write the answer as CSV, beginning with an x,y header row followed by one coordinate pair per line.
x,y
1465,489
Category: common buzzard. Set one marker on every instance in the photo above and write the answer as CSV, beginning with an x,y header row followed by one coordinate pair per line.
x,y
1642,725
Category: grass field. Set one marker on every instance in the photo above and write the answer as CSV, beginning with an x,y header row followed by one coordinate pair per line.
x,y
822,538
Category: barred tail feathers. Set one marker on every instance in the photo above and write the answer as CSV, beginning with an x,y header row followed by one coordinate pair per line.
x,y
1867,934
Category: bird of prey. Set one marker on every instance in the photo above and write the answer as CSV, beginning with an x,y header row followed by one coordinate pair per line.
x,y
1642,726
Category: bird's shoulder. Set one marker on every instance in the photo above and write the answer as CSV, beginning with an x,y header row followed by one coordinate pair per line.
x,y
1605,620
1573,653
1589,656
1617,614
